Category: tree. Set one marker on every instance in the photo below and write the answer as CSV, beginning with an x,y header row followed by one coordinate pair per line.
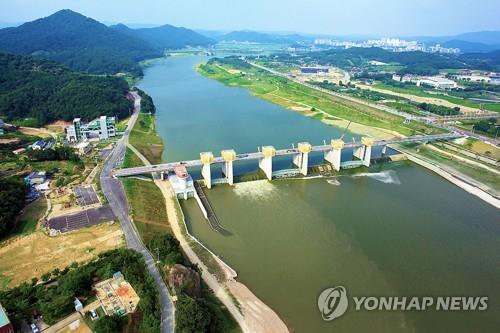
x,y
168,248
108,324
191,316
12,193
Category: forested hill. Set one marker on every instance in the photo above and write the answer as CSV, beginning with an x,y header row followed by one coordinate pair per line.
x,y
79,42
41,89
167,36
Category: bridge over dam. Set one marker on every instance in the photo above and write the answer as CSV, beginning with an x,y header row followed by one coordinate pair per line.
x,y
362,151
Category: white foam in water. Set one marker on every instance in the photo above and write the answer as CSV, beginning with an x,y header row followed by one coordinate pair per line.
x,y
260,189
333,181
387,177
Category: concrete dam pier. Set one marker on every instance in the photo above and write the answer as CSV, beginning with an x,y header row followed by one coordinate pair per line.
x,y
332,153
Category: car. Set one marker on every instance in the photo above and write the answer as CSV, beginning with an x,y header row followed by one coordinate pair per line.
x,y
34,328
93,315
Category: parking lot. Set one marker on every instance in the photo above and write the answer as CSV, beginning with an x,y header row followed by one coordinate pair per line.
x,y
79,220
85,196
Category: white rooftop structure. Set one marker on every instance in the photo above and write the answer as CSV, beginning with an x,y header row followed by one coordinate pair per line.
x,y
437,82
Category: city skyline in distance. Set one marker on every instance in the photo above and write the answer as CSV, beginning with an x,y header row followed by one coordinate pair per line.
x,y
362,18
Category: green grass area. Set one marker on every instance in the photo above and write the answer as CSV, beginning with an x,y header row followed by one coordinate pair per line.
x,y
122,124
147,206
144,138
482,175
131,160
405,107
422,92
290,94
30,216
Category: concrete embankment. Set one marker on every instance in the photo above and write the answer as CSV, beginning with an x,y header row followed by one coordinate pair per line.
x,y
455,178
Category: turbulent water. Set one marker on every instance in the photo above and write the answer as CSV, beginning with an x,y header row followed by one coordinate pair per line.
x,y
393,229
387,176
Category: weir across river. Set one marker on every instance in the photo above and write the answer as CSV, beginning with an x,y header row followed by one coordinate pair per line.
x,y
332,153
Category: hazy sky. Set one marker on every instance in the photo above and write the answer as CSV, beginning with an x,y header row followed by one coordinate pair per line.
x,y
375,17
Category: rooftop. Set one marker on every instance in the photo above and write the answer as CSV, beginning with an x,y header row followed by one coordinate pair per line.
x,y
117,296
4,320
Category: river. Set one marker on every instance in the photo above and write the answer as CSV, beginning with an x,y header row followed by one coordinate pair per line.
x,y
394,229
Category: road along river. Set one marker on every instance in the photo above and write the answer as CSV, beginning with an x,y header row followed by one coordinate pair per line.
x,y
392,230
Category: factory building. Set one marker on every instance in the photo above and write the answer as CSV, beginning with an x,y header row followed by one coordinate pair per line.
x,y
437,82
101,128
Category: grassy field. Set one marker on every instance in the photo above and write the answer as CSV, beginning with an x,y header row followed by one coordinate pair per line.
x,y
131,160
23,258
147,207
296,96
488,178
421,92
30,216
144,138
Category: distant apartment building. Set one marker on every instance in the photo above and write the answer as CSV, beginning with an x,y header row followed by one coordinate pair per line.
x,y
405,78
437,82
101,128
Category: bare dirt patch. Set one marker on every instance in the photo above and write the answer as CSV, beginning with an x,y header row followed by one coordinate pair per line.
x,y
37,254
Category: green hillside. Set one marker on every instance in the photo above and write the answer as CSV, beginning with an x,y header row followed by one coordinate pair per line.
x,y
79,42
45,91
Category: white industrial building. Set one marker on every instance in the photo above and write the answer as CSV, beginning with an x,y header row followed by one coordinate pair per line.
x,y
437,82
101,128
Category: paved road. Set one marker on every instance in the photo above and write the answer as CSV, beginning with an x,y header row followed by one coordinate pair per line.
x,y
113,190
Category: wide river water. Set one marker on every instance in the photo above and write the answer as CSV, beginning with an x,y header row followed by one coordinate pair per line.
x,y
396,229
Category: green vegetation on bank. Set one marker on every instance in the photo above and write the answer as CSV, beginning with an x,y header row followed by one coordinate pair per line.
x,y
147,207
147,104
46,92
145,139
490,179
197,309
235,72
55,302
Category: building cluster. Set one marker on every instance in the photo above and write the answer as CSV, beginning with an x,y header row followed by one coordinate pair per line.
x,y
449,82
98,129
477,76
116,296
37,182
392,44
436,82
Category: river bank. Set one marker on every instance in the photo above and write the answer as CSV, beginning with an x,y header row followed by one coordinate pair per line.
x,y
393,229
248,310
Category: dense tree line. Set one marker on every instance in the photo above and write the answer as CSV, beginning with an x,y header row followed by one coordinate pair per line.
x,y
439,109
487,126
55,302
46,91
192,314
56,154
147,104
12,193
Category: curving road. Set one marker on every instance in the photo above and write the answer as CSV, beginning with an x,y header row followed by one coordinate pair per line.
x,y
113,190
